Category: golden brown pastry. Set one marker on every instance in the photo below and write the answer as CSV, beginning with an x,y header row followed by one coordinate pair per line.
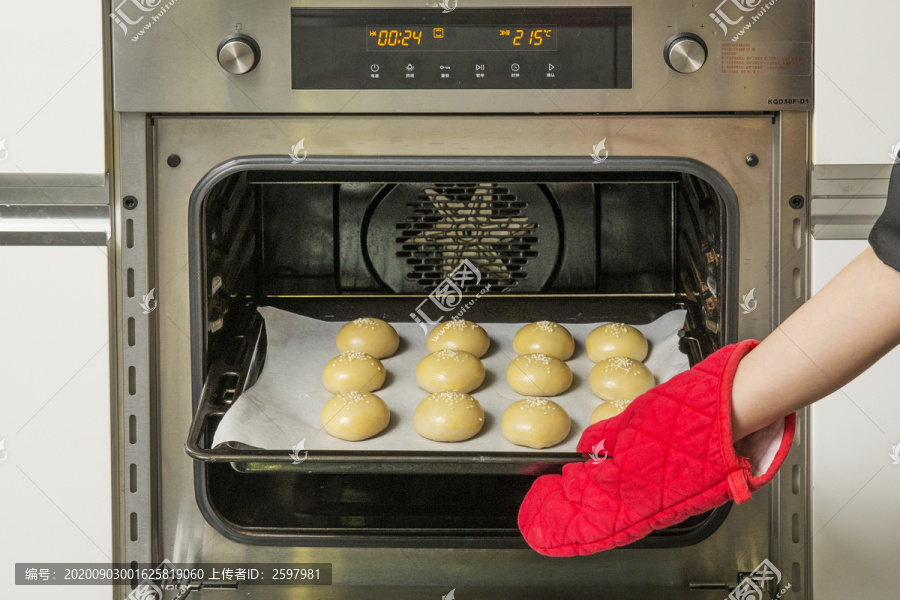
x,y
544,337
616,339
353,371
538,375
355,416
535,423
459,335
373,336
447,370
619,378
448,417
608,410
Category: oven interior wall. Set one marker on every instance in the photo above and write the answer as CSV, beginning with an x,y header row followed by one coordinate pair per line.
x,y
376,238
269,238
611,246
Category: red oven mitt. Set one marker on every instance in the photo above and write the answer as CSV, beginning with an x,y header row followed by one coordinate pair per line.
x,y
668,456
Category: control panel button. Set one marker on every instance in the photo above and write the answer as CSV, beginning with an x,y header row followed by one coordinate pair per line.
x,y
519,70
238,54
685,53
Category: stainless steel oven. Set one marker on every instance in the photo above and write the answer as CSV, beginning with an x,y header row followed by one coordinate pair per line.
x,y
638,158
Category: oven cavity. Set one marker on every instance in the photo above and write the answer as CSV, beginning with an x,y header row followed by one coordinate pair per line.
x,y
574,247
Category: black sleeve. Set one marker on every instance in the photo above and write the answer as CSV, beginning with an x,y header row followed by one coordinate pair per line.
x,y
885,235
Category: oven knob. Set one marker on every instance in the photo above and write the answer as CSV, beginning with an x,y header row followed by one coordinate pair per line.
x,y
685,53
238,54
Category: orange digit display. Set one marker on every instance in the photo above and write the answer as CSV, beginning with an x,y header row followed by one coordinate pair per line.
x,y
396,37
460,38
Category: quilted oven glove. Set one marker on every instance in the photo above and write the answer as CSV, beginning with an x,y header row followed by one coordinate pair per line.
x,y
668,456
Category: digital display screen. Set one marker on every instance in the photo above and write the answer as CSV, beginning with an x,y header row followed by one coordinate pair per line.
x,y
562,48
461,38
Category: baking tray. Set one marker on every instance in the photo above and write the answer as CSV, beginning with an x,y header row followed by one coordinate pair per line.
x,y
226,383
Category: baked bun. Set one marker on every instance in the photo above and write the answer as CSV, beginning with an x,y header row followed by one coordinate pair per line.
x,y
544,337
373,336
608,410
619,378
355,416
616,339
538,375
535,423
447,370
353,371
448,417
459,335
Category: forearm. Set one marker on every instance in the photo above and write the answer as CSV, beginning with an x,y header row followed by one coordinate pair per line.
x,y
838,334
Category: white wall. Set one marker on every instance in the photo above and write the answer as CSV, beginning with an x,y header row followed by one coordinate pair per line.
x,y
51,86
856,118
855,485
55,483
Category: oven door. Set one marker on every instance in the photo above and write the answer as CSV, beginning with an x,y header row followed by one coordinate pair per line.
x,y
187,524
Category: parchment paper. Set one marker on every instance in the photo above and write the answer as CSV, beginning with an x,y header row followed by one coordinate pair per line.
x,y
284,405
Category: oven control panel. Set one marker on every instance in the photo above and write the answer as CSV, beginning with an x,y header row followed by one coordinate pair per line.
x,y
390,49
432,57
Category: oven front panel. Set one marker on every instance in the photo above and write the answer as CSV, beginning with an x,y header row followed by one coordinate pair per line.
x,y
483,56
181,532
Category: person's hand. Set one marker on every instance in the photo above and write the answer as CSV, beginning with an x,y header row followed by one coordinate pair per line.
x,y
668,456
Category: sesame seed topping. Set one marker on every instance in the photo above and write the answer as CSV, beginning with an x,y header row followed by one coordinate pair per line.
x,y
616,329
621,404
454,324
366,322
352,355
620,363
453,398
353,397
533,404
447,354
543,359
548,326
